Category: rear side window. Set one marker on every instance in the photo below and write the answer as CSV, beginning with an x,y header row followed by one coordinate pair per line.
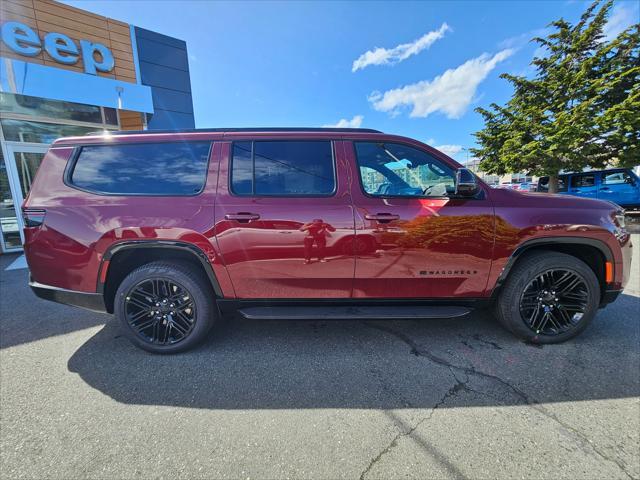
x,y
283,168
578,181
169,169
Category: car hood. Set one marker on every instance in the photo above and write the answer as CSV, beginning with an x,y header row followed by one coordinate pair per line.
x,y
549,200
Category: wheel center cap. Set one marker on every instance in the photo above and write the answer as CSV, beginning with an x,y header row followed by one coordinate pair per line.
x,y
548,297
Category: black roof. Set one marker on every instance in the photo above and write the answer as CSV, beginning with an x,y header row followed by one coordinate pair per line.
x,y
230,130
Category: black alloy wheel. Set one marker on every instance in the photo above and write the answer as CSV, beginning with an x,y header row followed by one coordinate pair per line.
x,y
166,307
554,301
160,310
548,297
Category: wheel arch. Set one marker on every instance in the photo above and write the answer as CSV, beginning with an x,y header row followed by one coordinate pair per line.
x,y
595,253
122,258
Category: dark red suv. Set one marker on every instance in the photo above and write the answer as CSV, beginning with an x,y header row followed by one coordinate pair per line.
x,y
169,230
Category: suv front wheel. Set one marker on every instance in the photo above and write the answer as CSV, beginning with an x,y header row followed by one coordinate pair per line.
x,y
165,307
549,297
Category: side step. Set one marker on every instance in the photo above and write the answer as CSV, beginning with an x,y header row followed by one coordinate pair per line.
x,y
351,312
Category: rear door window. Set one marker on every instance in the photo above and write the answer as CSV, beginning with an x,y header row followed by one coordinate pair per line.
x,y
583,181
283,168
169,169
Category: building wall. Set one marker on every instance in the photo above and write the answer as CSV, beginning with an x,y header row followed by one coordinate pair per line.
x,y
45,16
162,60
164,66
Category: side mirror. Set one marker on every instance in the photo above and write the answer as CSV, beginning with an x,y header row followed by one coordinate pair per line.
x,y
466,183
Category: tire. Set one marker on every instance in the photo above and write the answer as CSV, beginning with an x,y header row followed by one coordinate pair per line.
x,y
175,325
535,290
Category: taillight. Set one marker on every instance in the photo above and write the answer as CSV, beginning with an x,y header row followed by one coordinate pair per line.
x,y
33,217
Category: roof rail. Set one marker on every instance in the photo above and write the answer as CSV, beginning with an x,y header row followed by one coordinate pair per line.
x,y
230,130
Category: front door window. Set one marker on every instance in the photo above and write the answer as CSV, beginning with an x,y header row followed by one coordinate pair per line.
x,y
390,169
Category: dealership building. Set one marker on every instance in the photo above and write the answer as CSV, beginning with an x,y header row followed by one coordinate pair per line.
x,y
66,71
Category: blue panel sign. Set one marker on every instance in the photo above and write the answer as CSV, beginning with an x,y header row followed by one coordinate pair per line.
x,y
24,41
43,81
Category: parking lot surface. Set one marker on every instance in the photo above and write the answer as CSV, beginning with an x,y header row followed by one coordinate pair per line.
x,y
450,398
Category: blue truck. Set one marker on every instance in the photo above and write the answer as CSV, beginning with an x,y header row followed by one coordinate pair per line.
x,y
619,185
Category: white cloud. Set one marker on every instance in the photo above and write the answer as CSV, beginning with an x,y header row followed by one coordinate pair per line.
x,y
449,93
519,41
355,122
622,17
391,56
450,150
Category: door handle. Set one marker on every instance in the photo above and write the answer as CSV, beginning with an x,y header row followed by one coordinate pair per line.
x,y
382,217
242,217
605,189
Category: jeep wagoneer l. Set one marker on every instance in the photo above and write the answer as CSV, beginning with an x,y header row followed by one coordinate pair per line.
x,y
170,230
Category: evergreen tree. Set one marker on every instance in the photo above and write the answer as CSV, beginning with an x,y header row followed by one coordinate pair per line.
x,y
581,108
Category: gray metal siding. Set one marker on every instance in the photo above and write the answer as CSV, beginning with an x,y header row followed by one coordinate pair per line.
x,y
164,66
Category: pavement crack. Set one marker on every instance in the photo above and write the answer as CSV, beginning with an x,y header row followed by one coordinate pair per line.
x,y
458,386
391,446
586,445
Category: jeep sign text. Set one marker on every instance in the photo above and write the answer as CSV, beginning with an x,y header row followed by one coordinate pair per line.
x,y
23,40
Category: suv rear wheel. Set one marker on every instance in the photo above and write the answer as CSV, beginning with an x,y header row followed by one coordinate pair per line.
x,y
549,297
165,307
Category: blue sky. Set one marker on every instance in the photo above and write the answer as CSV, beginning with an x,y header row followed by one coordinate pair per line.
x,y
412,68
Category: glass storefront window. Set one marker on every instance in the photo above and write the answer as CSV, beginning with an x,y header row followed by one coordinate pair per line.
x,y
110,116
27,164
43,107
39,132
8,220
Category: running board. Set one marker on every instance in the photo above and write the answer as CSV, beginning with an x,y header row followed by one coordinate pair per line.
x,y
351,312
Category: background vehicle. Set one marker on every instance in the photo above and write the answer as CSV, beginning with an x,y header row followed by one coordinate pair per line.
x,y
520,187
169,230
618,185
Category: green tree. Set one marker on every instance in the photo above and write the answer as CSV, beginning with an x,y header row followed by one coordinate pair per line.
x,y
580,109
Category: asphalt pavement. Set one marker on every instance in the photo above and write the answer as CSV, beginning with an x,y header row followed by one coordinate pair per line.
x,y
450,398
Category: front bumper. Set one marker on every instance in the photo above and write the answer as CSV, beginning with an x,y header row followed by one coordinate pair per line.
x,y
89,301
609,296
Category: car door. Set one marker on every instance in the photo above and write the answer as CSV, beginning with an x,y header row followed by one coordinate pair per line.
x,y
584,185
620,187
282,203
428,244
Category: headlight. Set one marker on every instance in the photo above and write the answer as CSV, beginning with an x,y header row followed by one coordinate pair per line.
x,y
620,220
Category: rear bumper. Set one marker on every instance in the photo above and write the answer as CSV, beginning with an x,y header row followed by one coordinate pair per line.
x,y
89,301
